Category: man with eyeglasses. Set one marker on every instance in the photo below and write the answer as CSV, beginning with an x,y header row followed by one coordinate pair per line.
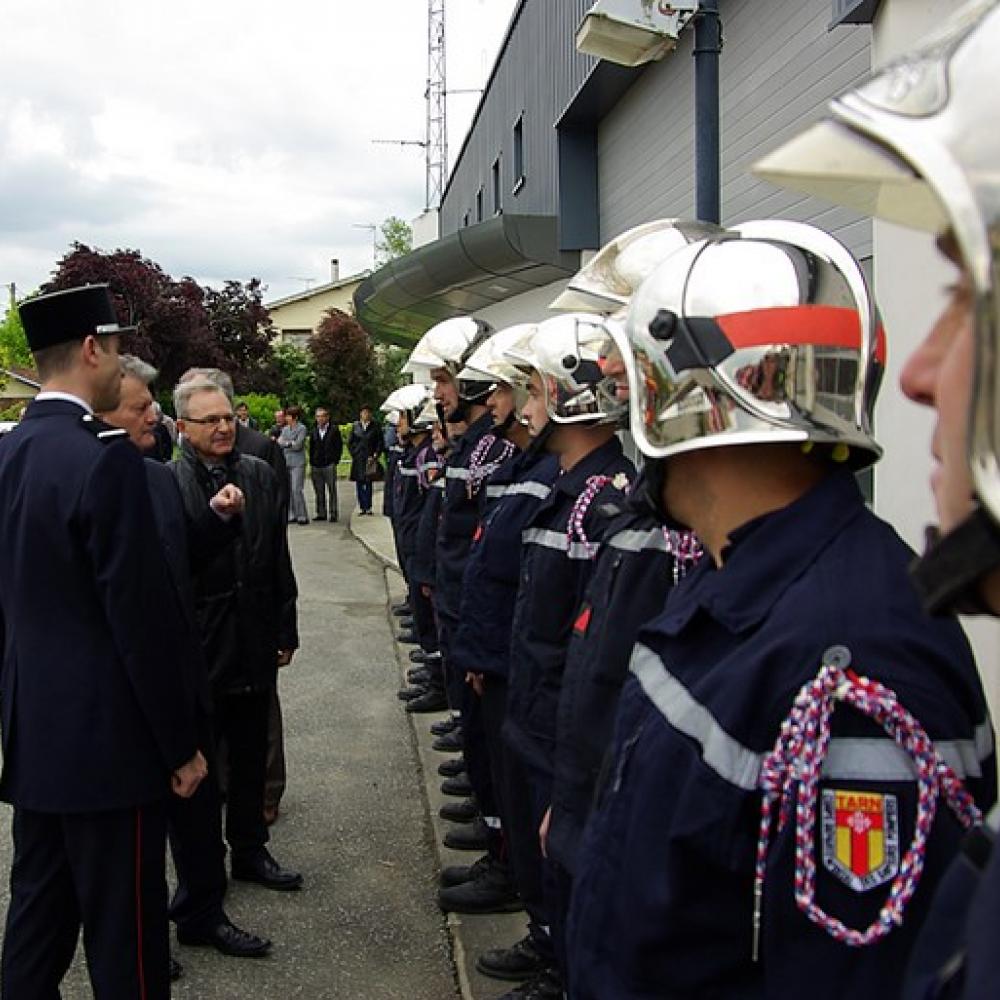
x,y
245,604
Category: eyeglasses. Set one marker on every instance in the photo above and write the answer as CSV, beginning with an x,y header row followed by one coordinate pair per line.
x,y
215,420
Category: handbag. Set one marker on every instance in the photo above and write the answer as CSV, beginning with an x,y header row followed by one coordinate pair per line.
x,y
373,469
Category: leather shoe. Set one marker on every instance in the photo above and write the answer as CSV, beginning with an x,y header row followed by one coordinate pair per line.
x,y
449,768
264,870
432,700
518,962
546,985
491,891
422,656
459,874
411,693
449,743
445,726
459,812
467,838
402,610
176,969
408,638
227,938
419,675
406,623
458,786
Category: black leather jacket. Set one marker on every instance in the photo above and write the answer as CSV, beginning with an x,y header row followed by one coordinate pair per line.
x,y
244,596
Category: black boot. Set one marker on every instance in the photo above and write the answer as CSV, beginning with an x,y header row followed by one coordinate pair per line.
x,y
490,891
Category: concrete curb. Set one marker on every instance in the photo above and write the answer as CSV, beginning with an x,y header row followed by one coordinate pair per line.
x,y
470,934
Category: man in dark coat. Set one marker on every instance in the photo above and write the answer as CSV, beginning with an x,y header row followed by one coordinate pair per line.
x,y
364,443
325,449
245,604
97,722
194,824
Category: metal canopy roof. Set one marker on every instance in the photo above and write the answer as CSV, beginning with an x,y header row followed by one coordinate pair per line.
x,y
463,272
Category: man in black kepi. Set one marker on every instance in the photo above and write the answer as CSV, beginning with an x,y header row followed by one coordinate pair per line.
x,y
97,723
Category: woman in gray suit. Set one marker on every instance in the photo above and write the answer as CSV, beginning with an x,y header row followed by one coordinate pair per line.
x,y
292,441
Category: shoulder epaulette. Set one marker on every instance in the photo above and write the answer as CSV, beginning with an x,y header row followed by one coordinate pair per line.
x,y
101,430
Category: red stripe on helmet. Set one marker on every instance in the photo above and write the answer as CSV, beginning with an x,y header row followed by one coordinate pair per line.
x,y
819,326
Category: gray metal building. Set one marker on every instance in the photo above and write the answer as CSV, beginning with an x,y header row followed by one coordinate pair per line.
x,y
565,152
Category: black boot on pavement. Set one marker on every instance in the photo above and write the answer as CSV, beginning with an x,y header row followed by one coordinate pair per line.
x,y
449,768
431,700
515,964
402,610
547,985
261,868
459,786
226,938
419,675
459,812
467,838
449,743
445,726
459,874
411,693
491,891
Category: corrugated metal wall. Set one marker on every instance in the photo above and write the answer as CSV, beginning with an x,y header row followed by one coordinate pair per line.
x,y
779,67
538,73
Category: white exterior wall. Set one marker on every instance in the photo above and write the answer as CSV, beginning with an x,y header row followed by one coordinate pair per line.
x,y
909,280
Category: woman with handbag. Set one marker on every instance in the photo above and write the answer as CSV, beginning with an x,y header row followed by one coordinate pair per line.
x,y
365,446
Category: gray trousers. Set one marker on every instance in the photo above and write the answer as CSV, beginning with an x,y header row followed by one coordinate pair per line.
x,y
296,498
324,480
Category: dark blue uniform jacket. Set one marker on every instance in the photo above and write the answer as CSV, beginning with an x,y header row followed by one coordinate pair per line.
x,y
96,712
633,574
663,894
554,574
460,515
512,494
422,569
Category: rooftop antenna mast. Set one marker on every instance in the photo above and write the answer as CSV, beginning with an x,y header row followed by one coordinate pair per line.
x,y
436,148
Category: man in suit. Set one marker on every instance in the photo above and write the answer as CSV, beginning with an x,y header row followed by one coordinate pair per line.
x,y
325,449
194,824
245,604
98,724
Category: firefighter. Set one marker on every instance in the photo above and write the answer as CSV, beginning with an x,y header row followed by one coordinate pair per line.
x,y
943,152
799,749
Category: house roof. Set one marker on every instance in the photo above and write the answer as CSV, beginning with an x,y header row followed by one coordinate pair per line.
x,y
461,273
309,293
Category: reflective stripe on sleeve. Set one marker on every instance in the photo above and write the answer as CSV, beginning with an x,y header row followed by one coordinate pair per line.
x,y
453,472
636,540
527,488
848,759
558,541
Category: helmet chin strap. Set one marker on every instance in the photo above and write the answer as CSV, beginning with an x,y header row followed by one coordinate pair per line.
x,y
948,574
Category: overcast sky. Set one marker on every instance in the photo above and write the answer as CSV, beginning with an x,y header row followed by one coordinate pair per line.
x,y
223,139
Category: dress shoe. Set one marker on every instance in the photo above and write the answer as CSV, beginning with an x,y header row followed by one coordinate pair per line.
x,y
402,610
407,623
419,656
546,985
458,786
467,838
458,874
449,743
411,693
176,969
445,726
264,870
518,962
460,812
227,938
432,700
491,891
419,675
408,638
449,768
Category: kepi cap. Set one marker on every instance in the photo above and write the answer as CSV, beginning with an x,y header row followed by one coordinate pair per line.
x,y
71,314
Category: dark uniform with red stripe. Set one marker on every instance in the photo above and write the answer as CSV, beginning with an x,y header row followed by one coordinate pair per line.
x,y
96,713
663,900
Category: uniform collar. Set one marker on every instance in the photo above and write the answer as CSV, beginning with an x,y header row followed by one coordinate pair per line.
x,y
50,395
594,463
764,557
473,432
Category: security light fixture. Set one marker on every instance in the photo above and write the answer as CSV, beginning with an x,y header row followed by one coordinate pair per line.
x,y
632,32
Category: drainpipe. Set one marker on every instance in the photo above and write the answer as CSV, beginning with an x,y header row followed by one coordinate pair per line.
x,y
707,46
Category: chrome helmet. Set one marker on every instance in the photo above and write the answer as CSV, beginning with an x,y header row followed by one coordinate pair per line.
x,y
570,353
449,345
606,282
766,333
489,361
918,144
409,400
